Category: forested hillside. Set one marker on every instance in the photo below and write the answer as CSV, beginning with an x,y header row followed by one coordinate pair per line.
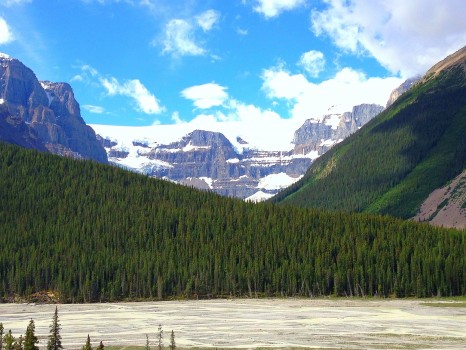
x,y
392,164
91,232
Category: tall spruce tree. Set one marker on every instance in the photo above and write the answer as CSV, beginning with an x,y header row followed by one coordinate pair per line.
x,y
30,340
172,341
88,345
160,338
1,336
9,340
54,342
18,345
147,342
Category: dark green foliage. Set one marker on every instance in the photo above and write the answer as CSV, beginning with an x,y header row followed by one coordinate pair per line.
x,y
88,345
9,341
393,163
30,340
54,342
90,232
1,335
18,345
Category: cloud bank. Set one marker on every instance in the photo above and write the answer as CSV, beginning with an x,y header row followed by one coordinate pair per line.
x,y
346,89
406,37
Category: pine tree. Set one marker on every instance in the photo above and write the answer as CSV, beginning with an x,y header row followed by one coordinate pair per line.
x,y
1,336
18,345
101,346
9,340
172,341
30,339
88,344
160,338
54,342
147,342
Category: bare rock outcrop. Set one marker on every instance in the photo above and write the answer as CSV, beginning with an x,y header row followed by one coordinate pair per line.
x,y
43,115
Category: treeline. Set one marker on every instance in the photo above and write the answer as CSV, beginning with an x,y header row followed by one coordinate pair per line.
x,y
395,161
90,232
30,341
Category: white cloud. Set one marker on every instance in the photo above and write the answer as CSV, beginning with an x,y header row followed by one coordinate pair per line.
x,y
206,96
345,90
273,8
146,102
181,36
207,19
5,33
313,62
263,129
176,118
404,36
94,109
180,39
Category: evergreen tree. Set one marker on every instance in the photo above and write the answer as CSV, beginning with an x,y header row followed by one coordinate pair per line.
x,y
54,342
147,342
88,344
101,346
172,341
18,345
160,338
30,339
9,340
1,336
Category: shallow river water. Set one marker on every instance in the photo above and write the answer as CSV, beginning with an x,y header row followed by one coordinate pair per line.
x,y
251,323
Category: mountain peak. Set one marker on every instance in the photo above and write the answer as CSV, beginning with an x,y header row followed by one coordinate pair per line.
x,y
456,59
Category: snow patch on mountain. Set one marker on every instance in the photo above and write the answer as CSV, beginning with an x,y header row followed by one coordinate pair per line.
x,y
277,181
259,197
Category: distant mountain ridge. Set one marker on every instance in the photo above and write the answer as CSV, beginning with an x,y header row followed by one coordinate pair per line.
x,y
230,166
43,115
392,164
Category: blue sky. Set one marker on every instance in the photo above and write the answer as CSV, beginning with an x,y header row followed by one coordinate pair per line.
x,y
144,62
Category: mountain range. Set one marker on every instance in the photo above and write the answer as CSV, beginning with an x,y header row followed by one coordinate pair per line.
x,y
45,116
408,162
226,162
91,232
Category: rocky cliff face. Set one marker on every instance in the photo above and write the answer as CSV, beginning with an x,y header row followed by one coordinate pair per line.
x,y
209,160
408,84
43,115
319,135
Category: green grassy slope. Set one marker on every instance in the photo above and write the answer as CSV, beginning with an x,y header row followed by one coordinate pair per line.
x,y
91,232
394,162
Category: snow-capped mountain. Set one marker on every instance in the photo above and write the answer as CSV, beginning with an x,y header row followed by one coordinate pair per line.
x,y
228,162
